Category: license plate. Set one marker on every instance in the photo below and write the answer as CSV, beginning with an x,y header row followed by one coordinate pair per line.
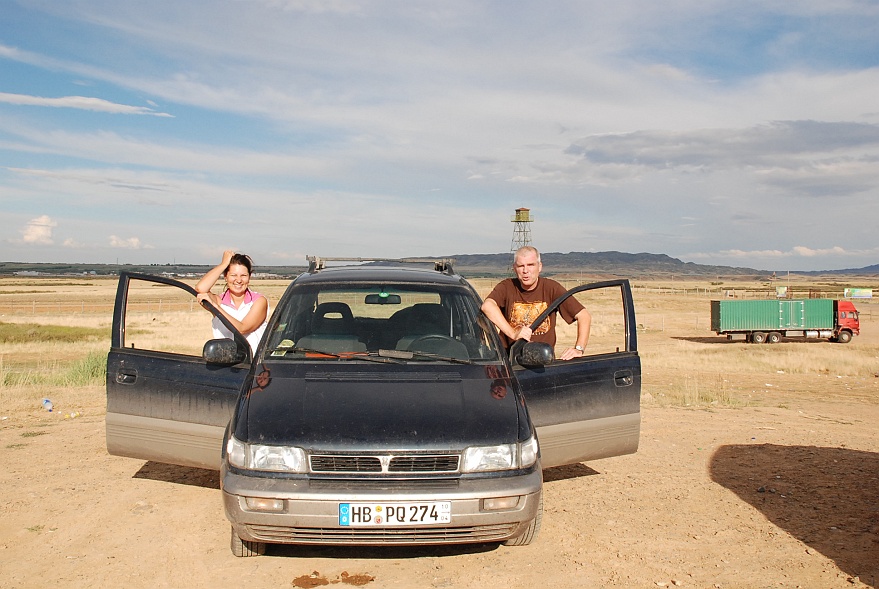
x,y
395,514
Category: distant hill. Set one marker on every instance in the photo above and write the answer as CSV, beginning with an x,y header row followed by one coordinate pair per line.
x,y
619,264
591,264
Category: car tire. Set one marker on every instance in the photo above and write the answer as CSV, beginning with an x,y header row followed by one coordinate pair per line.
x,y
774,337
246,547
531,531
844,337
758,337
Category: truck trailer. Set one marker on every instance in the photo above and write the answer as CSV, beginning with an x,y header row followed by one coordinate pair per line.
x,y
770,321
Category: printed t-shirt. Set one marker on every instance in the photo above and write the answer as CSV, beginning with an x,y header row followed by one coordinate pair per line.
x,y
240,313
521,307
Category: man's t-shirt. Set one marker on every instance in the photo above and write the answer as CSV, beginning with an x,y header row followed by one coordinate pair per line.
x,y
521,307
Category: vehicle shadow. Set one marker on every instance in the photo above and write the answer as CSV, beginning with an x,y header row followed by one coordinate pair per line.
x,y
182,475
721,340
568,471
825,497
717,339
378,552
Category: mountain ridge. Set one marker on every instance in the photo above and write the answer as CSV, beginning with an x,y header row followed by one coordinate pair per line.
x,y
608,263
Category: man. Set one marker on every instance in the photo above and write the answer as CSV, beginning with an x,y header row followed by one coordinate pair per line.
x,y
516,302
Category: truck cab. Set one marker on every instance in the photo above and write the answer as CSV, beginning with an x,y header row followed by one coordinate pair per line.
x,y
847,321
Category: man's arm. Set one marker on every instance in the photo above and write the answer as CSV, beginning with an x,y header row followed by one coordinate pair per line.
x,y
584,325
496,316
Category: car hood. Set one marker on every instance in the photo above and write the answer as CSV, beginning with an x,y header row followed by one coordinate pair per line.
x,y
378,408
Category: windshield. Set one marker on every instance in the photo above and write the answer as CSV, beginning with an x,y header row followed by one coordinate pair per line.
x,y
333,321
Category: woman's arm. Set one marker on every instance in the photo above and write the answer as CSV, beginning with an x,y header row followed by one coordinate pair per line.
x,y
210,278
254,318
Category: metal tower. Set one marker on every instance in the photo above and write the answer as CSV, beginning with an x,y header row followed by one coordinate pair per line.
x,y
522,229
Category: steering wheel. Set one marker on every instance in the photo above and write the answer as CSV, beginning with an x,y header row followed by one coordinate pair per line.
x,y
431,337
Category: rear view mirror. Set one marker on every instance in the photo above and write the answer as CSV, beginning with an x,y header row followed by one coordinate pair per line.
x,y
383,299
535,355
223,351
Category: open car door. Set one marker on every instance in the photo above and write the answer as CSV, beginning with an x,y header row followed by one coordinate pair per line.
x,y
164,401
589,407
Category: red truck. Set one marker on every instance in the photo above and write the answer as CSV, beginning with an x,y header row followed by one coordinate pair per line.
x,y
771,320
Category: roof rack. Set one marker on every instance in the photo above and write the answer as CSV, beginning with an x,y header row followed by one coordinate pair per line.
x,y
318,263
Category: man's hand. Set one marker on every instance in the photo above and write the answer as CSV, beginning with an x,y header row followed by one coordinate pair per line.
x,y
524,333
571,353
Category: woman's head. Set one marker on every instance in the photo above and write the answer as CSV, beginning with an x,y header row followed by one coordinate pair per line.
x,y
238,273
240,260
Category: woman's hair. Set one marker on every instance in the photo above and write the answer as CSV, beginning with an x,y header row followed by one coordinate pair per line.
x,y
240,260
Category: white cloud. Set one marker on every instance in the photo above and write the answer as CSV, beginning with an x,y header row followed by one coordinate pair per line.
x,y
39,231
81,103
132,243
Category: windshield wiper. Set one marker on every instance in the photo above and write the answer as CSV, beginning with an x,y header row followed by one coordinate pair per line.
x,y
368,356
411,355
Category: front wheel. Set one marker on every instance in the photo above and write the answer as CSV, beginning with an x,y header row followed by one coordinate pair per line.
x,y
844,337
531,531
246,547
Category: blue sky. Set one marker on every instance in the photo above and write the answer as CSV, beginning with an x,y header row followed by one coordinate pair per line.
x,y
734,133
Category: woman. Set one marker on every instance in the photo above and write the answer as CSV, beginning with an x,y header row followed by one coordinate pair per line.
x,y
245,309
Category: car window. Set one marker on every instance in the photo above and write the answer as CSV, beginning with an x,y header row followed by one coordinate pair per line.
x,y
608,331
359,319
164,318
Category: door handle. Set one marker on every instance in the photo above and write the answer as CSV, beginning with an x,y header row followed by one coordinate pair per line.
x,y
623,378
126,377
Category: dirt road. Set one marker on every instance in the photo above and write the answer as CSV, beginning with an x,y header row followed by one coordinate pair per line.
x,y
781,494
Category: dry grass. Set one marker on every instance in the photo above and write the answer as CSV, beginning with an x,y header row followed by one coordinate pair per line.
x,y
684,363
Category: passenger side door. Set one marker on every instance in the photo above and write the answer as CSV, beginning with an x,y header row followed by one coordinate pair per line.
x,y
164,401
589,408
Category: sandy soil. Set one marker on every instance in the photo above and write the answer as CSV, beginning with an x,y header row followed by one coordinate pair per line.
x,y
784,493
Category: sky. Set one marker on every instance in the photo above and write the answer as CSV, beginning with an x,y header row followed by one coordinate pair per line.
x,y
736,133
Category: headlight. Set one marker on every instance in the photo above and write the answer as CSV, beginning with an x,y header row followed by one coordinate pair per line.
x,y
503,457
261,457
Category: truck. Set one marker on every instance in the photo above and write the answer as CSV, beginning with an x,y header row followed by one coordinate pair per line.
x,y
761,321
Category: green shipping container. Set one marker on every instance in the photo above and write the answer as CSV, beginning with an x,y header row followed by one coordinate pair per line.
x,y
771,315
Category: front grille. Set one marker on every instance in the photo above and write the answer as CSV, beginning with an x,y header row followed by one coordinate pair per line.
x,y
423,464
345,464
413,463
448,535
395,485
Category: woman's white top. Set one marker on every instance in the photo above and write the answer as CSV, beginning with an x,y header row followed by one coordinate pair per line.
x,y
240,313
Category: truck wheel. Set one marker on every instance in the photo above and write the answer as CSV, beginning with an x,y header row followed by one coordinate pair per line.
x,y
758,337
844,337
532,529
774,337
246,547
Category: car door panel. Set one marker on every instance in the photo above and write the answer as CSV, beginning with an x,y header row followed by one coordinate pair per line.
x,y
587,408
164,406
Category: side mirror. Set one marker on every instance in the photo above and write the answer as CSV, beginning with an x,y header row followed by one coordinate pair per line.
x,y
223,351
535,355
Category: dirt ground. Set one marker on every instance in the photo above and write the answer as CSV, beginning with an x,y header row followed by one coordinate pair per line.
x,y
778,489
784,493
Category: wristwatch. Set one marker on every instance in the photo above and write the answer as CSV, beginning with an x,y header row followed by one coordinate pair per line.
x,y
579,348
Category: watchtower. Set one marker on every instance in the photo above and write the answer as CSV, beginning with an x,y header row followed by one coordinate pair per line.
x,y
522,229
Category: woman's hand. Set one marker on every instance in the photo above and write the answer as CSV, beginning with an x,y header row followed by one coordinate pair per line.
x,y
209,297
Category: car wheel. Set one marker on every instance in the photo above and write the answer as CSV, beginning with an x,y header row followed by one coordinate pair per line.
x,y
531,531
246,547
758,337
774,337
844,337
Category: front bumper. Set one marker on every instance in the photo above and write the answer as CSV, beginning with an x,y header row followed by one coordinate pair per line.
x,y
310,512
